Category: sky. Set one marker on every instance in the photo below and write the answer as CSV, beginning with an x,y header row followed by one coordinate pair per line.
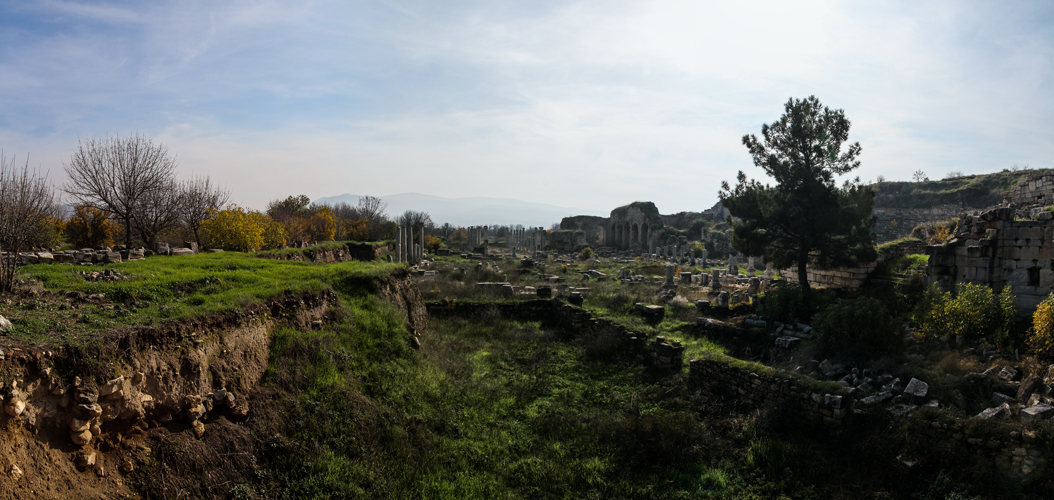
x,y
590,104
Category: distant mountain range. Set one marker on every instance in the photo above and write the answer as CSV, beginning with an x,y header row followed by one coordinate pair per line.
x,y
471,211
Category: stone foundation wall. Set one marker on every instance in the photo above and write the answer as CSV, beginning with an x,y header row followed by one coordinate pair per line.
x,y
848,278
784,394
1014,451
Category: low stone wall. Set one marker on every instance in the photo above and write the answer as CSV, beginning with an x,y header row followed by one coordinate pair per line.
x,y
848,278
1014,451
86,256
788,396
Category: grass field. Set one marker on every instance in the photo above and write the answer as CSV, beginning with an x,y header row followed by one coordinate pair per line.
x,y
163,288
487,407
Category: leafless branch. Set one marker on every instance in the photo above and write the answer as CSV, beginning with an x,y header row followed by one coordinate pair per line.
x,y
26,201
198,198
116,173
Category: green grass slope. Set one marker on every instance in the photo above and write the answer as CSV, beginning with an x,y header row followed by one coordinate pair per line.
x,y
973,191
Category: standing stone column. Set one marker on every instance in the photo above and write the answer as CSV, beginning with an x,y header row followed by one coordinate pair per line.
x,y
399,244
669,274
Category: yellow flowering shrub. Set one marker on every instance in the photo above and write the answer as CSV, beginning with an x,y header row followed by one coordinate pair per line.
x,y
354,230
1041,338
272,231
322,225
232,228
90,227
240,230
432,244
975,312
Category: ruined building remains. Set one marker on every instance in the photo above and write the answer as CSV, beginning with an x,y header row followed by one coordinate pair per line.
x,y
634,227
995,249
1008,246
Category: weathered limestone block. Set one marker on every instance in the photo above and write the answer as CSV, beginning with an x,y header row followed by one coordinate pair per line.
x,y
917,388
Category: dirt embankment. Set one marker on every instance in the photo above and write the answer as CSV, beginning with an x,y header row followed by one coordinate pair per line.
x,y
401,290
80,422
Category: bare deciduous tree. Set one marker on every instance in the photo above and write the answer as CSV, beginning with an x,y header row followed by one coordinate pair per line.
x,y
157,210
26,201
198,198
414,220
116,173
372,209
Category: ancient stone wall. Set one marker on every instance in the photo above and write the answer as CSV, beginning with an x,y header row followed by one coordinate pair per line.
x,y
996,250
1014,451
593,228
636,227
848,278
1035,191
566,241
781,393
896,223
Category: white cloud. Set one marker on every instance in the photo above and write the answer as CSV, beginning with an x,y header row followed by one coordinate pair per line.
x,y
595,103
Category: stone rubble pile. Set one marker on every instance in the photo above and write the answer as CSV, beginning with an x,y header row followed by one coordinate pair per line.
x,y
107,275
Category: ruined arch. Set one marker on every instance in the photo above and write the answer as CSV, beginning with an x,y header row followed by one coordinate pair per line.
x,y
635,232
644,235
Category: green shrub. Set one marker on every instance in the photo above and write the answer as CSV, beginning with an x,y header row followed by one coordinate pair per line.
x,y
975,312
862,323
1041,337
586,254
785,302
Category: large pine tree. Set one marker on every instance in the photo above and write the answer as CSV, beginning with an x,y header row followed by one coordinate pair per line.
x,y
805,218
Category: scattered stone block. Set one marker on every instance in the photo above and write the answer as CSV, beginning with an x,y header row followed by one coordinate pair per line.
x,y
875,400
994,412
999,398
1008,374
653,313
917,388
1038,412
788,342
1028,386
826,368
